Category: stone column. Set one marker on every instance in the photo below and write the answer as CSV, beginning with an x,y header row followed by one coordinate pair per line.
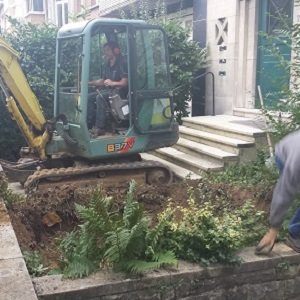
x,y
246,54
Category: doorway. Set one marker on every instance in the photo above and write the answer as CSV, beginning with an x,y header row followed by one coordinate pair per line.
x,y
272,76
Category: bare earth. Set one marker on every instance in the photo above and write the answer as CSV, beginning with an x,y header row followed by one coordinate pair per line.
x,y
34,233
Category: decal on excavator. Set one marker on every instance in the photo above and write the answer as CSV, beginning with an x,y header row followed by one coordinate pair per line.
x,y
122,147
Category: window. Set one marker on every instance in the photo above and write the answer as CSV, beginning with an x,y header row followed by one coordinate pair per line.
x,y
151,60
280,12
61,12
69,77
34,5
153,105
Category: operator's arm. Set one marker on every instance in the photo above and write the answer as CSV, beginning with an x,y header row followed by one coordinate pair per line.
x,y
286,188
97,82
121,83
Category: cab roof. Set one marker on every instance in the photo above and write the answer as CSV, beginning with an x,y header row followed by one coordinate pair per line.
x,y
78,28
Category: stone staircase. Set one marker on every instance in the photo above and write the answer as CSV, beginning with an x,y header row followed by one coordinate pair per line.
x,y
210,144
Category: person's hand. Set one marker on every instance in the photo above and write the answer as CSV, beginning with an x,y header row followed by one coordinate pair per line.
x,y
108,82
267,243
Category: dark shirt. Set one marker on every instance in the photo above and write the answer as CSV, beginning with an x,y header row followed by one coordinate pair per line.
x,y
116,72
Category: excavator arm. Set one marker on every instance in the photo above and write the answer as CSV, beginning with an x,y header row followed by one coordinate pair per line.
x,y
13,78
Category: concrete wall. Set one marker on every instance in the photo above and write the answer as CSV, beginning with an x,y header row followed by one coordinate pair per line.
x,y
232,24
258,278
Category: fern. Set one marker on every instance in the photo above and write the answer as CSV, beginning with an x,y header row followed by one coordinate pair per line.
x,y
132,210
123,240
135,266
79,268
137,240
118,241
156,233
127,243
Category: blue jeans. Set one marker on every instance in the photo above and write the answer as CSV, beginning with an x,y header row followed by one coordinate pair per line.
x,y
97,117
102,104
294,227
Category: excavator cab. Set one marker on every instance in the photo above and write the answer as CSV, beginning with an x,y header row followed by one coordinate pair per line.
x,y
140,119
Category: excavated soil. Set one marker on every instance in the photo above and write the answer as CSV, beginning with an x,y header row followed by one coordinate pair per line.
x,y
30,218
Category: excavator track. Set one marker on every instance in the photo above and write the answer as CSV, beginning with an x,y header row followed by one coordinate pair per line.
x,y
155,172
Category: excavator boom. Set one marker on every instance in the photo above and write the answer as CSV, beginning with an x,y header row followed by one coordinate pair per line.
x,y
12,77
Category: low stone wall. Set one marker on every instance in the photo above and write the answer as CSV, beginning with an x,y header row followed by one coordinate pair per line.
x,y
275,277
15,282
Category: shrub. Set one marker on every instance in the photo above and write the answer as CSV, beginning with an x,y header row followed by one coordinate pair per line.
x,y
34,263
8,196
258,172
206,235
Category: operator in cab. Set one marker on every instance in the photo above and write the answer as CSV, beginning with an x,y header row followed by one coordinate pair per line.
x,y
115,78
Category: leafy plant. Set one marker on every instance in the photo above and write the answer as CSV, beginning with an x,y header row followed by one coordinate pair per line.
x,y
206,235
34,263
248,175
8,196
186,57
109,236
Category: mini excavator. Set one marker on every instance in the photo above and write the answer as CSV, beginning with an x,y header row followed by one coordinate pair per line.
x,y
62,150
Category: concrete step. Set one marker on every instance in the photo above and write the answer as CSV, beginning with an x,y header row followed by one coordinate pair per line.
x,y
228,126
205,152
215,140
195,164
178,171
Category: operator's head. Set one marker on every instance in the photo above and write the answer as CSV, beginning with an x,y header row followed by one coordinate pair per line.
x,y
111,50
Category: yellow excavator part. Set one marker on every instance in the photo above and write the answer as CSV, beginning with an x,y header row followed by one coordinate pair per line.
x,y
17,83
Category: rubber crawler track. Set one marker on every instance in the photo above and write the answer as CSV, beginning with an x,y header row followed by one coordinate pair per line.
x,y
62,173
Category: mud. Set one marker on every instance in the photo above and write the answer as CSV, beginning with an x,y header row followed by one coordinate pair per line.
x,y
33,234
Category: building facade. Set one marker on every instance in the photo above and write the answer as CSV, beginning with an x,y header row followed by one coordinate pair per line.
x,y
230,29
58,12
239,55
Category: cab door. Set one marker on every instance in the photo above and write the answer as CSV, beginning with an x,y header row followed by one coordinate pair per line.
x,y
152,104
